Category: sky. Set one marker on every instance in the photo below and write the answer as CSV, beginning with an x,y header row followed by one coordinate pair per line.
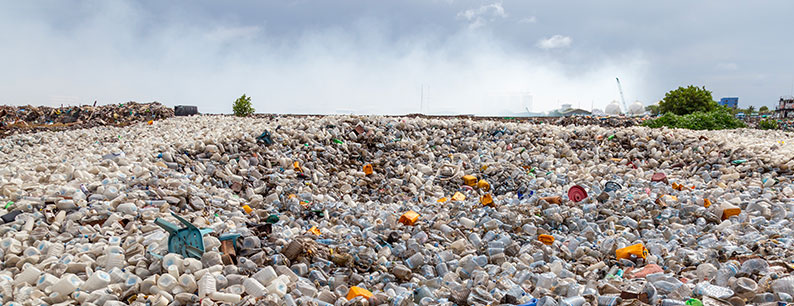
x,y
392,57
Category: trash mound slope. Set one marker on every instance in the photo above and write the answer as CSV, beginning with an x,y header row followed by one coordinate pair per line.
x,y
383,210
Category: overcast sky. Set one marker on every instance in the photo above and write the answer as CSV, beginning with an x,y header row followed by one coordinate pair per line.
x,y
392,57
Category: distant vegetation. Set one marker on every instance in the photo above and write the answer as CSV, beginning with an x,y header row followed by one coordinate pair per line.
x,y
242,107
719,119
683,101
692,108
768,124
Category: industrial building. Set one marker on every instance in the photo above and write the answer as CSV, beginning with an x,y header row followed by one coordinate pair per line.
x,y
785,107
730,102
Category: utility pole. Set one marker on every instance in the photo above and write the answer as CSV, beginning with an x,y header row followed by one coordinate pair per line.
x,y
421,97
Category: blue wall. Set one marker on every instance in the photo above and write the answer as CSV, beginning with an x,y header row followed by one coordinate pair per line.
x,y
730,102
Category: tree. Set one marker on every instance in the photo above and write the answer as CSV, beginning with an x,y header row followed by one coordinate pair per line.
x,y
653,109
763,109
242,107
687,100
750,109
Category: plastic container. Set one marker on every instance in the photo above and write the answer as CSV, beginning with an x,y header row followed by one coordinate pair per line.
x,y
254,288
99,279
206,285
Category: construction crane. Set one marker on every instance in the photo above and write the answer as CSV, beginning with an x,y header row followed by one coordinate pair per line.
x,y
622,99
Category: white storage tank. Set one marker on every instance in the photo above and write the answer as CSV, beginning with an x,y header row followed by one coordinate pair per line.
x,y
613,108
637,108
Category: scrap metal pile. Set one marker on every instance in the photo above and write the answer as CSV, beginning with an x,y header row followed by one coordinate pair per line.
x,y
345,210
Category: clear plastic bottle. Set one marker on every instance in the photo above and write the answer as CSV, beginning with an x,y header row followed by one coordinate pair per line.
x,y
706,289
726,271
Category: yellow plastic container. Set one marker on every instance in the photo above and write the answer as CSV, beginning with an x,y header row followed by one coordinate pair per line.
x,y
442,200
637,250
368,169
469,180
730,212
315,230
487,200
409,218
297,166
482,184
546,239
247,209
458,197
358,291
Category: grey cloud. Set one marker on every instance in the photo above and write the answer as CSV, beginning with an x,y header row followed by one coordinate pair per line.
x,y
376,57
554,42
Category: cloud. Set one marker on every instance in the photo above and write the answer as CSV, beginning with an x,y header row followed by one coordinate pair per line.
x,y
727,66
530,19
114,54
480,16
227,33
554,42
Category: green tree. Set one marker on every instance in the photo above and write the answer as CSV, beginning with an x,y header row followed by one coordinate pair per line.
x,y
750,109
768,124
653,109
687,100
763,109
242,107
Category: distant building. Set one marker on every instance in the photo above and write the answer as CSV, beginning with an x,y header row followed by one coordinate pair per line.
x,y
731,102
567,110
575,112
785,107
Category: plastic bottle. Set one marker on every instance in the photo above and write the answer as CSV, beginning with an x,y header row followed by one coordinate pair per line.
x,y
706,289
726,271
253,287
206,285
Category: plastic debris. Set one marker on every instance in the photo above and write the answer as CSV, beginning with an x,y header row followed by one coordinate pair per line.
x,y
470,180
80,227
546,239
636,250
576,193
409,218
358,291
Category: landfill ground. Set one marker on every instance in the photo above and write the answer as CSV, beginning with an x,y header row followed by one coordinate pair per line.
x,y
374,210
31,119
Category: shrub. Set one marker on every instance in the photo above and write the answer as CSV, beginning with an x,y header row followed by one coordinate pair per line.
x,y
719,119
768,124
242,107
687,100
